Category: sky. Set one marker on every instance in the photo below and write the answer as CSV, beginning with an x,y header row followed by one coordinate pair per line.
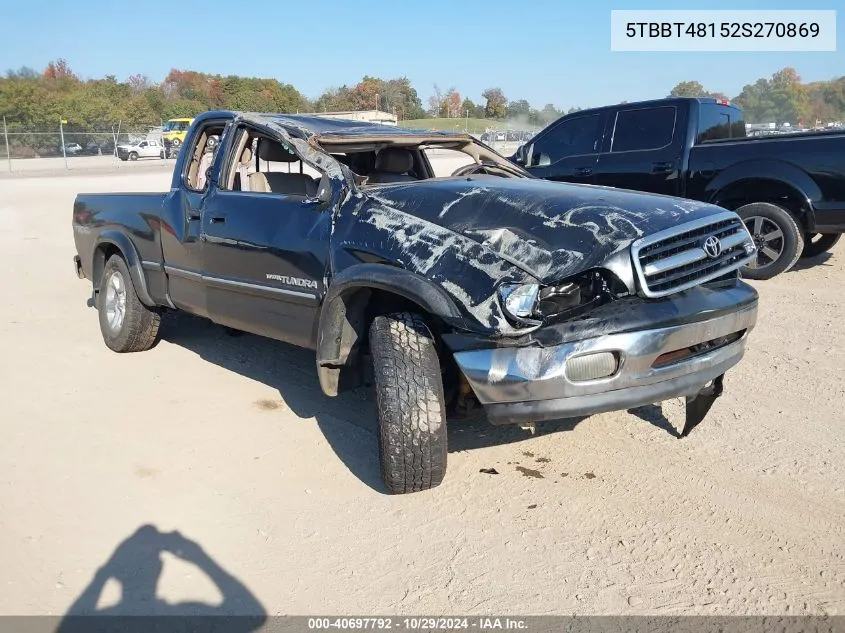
x,y
545,51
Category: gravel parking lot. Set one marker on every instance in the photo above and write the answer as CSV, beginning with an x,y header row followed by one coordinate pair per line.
x,y
228,441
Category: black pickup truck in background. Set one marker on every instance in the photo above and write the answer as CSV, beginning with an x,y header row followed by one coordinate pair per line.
x,y
789,190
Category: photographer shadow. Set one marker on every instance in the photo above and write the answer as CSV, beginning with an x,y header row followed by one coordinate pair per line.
x,y
136,565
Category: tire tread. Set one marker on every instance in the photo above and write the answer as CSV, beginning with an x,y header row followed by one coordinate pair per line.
x,y
141,324
409,393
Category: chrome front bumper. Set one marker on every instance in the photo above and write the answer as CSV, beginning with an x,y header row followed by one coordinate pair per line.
x,y
529,384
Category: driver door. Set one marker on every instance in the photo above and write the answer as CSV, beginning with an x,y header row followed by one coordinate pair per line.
x,y
265,253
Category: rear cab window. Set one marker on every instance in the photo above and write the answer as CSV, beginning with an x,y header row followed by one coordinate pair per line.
x,y
644,129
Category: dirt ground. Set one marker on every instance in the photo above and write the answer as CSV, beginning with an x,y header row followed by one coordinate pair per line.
x,y
275,492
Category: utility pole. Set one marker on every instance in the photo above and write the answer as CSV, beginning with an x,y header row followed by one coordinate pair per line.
x,y
466,127
8,151
62,133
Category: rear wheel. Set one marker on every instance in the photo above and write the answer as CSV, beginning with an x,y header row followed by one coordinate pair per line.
x,y
176,142
818,243
409,393
777,236
127,324
133,156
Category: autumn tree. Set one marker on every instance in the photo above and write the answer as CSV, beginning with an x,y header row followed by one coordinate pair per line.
x,y
452,103
58,70
496,107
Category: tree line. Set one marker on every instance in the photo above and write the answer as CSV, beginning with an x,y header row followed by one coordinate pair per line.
x,y
781,98
32,100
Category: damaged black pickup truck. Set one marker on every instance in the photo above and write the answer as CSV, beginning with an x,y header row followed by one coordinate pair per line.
x,y
486,288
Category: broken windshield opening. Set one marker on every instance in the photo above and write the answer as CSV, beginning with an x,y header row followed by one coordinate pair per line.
x,y
390,160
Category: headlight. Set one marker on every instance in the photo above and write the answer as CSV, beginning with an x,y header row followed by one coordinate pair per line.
x,y
532,304
519,300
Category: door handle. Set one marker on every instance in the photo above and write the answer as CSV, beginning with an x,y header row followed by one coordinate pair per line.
x,y
193,215
218,219
583,171
662,167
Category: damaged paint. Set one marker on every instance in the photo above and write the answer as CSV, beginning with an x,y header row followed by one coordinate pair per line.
x,y
470,234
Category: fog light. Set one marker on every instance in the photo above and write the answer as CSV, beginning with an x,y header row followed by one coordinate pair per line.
x,y
591,366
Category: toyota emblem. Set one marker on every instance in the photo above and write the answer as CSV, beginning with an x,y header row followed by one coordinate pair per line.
x,y
712,246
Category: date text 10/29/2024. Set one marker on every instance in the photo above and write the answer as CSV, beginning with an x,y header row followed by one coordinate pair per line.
x,y
729,30
418,623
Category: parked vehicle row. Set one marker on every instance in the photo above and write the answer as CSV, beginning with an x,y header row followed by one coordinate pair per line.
x,y
506,136
788,189
490,288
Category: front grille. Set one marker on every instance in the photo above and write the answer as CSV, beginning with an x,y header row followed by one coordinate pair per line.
x,y
676,259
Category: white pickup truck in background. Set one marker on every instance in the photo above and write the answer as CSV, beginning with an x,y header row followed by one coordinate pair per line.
x,y
140,149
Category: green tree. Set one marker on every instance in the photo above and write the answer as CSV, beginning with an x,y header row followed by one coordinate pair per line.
x,y
689,89
519,109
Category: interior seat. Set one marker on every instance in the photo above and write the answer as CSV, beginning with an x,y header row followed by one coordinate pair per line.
x,y
244,170
278,181
392,165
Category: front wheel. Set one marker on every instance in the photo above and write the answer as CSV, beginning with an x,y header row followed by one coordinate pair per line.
x,y
127,324
818,243
176,142
777,236
411,410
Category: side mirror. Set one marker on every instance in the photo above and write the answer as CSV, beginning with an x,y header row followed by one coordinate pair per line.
x,y
519,155
543,160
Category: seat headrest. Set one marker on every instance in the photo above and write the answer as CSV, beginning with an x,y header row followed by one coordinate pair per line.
x,y
246,156
274,152
395,160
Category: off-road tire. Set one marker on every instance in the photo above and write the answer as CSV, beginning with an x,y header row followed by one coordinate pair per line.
x,y
793,238
824,243
409,393
133,156
139,329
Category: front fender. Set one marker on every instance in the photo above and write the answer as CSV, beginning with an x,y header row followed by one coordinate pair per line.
x,y
130,255
341,323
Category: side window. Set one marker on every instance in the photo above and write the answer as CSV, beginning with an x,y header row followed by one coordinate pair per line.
x,y
265,165
716,122
202,153
646,128
445,161
572,137
143,144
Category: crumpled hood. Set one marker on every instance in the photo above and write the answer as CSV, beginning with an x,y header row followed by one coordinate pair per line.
x,y
550,230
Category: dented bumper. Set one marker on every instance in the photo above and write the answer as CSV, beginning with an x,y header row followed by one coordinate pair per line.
x,y
535,382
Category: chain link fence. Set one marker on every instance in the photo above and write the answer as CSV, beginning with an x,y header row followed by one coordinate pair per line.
x,y
22,144
26,148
